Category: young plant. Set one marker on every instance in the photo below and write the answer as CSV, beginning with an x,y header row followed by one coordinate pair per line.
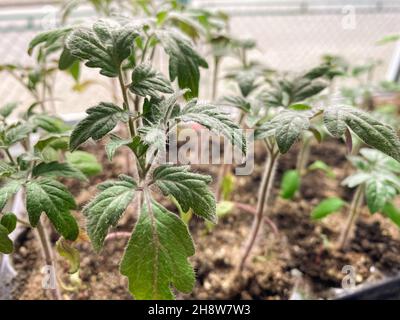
x,y
361,94
34,170
290,93
283,130
39,80
376,180
297,93
294,93
248,77
156,257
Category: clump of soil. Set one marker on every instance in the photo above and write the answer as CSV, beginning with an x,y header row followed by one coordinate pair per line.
x,y
217,254
378,244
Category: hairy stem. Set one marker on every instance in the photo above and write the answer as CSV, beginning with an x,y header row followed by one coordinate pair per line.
x,y
215,78
354,210
303,156
42,105
50,89
263,196
132,126
24,222
48,257
249,209
225,168
7,152
222,172
331,92
131,122
33,93
146,46
118,235
244,58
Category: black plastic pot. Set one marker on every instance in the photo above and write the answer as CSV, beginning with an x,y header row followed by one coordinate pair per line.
x,y
388,289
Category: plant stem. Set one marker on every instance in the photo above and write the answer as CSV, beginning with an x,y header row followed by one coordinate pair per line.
x,y
244,58
215,78
331,92
48,256
249,209
264,194
354,210
146,46
131,121
222,172
132,126
138,109
24,223
225,168
7,152
152,54
303,156
33,94
43,88
117,235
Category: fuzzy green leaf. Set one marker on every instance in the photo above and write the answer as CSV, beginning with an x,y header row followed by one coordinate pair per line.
x,y
47,38
6,245
47,148
286,92
7,109
305,88
115,143
84,162
246,80
156,255
189,189
5,169
377,193
105,45
9,220
365,126
17,132
149,82
379,160
213,119
66,59
56,169
287,127
393,213
105,210
56,141
7,190
101,120
184,61
49,123
237,102
290,131
155,138
356,179
53,198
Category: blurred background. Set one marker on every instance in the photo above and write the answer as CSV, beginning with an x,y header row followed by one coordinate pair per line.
x,y
290,35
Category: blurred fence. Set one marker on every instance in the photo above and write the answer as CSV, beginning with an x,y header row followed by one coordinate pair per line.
x,y
291,35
